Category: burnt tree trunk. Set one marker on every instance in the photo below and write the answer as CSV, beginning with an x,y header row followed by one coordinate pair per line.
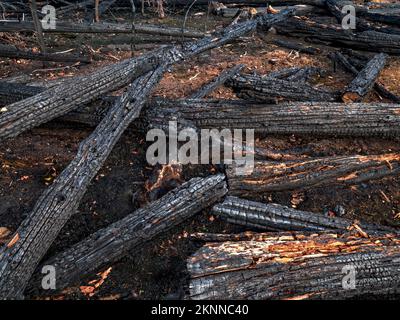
x,y
135,230
365,79
270,176
276,217
295,267
216,82
269,90
334,34
111,28
328,119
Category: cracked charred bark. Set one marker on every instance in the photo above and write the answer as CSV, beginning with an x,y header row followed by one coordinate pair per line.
x,y
295,267
20,257
328,119
365,79
55,102
269,90
270,176
135,230
276,217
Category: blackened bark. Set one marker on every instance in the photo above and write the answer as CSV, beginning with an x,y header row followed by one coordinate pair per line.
x,y
135,230
295,267
276,217
270,176
365,79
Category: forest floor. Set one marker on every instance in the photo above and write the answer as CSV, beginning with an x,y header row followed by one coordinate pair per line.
x,y
31,161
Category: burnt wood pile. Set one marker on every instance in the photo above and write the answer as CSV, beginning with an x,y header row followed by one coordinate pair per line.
x,y
298,254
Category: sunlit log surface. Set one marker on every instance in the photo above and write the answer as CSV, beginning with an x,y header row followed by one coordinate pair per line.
x,y
296,266
269,176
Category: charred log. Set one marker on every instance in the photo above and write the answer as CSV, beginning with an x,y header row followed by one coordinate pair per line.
x,y
12,92
216,82
275,217
256,88
296,46
270,176
365,79
296,267
26,114
334,34
112,28
350,66
329,119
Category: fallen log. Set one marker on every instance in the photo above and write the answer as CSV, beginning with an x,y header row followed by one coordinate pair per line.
x,y
327,119
296,46
14,53
135,230
271,176
12,92
216,82
275,217
111,28
256,88
335,35
59,100
349,66
20,257
319,3
326,266
295,73
55,102
365,79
